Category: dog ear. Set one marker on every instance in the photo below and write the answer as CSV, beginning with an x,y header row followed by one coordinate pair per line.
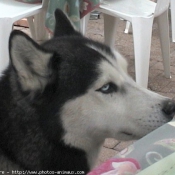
x,y
63,26
30,61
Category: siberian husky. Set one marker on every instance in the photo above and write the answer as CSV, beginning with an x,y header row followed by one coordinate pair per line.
x,y
61,99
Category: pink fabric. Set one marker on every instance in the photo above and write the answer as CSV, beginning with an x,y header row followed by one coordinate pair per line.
x,y
117,166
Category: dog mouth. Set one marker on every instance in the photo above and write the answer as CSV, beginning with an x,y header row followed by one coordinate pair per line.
x,y
127,133
130,135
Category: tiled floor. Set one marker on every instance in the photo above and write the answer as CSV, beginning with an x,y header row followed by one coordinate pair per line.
x,y
157,81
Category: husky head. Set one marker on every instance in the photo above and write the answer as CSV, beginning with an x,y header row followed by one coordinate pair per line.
x,y
83,87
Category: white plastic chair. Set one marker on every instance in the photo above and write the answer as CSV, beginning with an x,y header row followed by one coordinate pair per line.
x,y
172,10
172,2
11,11
141,14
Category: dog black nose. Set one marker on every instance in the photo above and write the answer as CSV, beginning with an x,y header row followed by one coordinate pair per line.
x,y
169,108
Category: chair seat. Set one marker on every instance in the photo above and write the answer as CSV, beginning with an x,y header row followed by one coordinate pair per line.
x,y
12,8
130,8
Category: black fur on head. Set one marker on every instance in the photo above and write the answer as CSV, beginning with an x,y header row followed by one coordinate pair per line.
x,y
63,26
64,61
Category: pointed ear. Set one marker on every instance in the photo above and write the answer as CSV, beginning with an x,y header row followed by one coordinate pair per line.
x,y
30,61
63,26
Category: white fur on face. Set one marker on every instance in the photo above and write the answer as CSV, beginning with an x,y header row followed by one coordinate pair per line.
x,y
129,113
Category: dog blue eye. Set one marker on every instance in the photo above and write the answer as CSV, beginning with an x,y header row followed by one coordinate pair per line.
x,y
105,88
108,88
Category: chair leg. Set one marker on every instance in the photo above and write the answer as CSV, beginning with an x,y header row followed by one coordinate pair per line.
x,y
39,23
37,26
163,24
83,23
31,26
128,28
142,32
173,19
110,24
5,29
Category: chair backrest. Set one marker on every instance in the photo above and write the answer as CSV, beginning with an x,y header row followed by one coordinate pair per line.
x,y
162,6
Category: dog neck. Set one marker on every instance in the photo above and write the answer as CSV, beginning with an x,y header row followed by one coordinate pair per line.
x,y
91,147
